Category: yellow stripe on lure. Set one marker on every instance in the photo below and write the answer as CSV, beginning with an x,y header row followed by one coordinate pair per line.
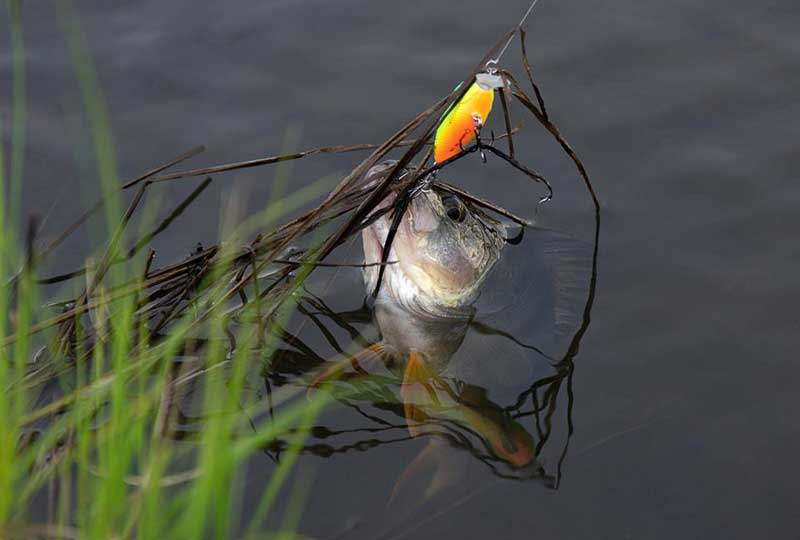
x,y
459,124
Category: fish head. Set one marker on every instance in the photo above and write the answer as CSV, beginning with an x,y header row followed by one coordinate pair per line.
x,y
441,254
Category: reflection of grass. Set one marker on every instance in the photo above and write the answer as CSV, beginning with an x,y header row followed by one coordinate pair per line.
x,y
102,453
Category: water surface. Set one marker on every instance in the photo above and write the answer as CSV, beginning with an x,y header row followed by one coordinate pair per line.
x,y
685,384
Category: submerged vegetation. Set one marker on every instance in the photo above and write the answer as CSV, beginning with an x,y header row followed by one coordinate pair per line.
x,y
96,362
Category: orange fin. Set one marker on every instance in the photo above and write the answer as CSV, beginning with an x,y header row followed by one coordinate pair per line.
x,y
360,362
416,389
505,437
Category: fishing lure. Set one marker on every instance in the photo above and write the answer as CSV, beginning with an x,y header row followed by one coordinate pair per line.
x,y
464,120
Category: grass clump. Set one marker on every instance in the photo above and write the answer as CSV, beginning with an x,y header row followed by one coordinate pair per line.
x,y
89,396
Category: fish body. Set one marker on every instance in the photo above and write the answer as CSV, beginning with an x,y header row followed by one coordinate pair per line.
x,y
423,349
441,255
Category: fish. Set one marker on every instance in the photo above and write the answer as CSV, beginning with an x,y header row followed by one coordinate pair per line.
x,y
443,252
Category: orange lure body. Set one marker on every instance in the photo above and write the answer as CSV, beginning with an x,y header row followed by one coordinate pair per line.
x,y
457,128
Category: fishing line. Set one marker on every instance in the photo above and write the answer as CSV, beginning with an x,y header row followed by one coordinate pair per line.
x,y
495,61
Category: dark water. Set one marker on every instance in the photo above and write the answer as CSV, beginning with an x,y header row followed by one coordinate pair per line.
x,y
685,113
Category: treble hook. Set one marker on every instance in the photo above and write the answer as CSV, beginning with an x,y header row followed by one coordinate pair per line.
x,y
423,184
478,142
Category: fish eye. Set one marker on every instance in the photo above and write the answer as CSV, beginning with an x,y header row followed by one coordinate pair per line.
x,y
453,208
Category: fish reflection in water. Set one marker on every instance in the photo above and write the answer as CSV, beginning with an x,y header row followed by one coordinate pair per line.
x,y
442,255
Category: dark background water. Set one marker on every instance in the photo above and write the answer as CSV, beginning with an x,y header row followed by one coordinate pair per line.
x,y
685,114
